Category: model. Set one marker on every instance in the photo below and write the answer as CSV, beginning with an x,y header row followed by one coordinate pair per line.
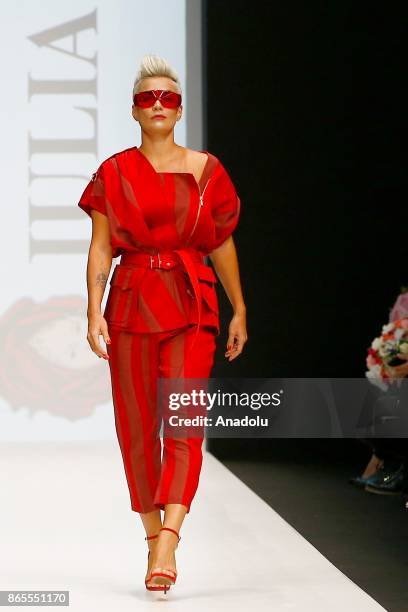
x,y
162,208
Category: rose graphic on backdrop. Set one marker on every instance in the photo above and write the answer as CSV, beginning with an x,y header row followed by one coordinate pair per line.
x,y
46,362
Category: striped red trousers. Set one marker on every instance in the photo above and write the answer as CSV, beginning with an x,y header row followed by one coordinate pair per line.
x,y
136,361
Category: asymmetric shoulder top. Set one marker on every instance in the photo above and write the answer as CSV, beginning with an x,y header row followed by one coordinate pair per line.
x,y
162,212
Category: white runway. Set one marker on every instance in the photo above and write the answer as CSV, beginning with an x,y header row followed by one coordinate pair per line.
x,y
66,524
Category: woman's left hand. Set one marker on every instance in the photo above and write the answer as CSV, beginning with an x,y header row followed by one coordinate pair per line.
x,y
237,336
399,371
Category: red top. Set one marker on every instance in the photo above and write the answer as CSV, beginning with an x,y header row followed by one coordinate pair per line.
x,y
164,213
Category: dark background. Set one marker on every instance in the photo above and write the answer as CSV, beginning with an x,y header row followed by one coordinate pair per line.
x,y
305,110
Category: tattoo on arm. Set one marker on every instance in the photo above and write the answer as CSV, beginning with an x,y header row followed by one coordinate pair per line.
x,y
101,279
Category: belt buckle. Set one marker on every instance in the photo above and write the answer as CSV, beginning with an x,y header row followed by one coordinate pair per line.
x,y
152,260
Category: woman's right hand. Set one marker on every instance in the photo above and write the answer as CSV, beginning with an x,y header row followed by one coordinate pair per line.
x,y
97,326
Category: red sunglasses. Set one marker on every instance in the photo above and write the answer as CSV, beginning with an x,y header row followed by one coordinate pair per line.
x,y
169,99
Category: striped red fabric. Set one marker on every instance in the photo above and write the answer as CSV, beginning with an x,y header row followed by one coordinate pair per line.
x,y
162,302
160,212
136,361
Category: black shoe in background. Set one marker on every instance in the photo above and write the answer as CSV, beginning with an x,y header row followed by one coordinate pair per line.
x,y
388,483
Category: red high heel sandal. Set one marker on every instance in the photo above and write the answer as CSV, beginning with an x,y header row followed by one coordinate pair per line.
x,y
159,576
163,587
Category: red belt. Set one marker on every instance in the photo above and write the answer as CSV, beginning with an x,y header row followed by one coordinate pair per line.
x,y
166,260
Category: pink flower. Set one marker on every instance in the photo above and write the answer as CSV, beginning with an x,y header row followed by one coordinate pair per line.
x,y
371,362
400,308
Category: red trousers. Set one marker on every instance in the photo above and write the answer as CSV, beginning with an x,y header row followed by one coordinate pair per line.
x,y
136,361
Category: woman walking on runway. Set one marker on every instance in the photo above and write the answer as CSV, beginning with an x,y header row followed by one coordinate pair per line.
x,y
162,208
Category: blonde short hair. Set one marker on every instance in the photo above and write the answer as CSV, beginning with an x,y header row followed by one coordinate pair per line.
x,y
155,66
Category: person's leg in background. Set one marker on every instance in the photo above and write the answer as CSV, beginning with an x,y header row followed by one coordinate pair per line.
x,y
390,479
376,460
384,453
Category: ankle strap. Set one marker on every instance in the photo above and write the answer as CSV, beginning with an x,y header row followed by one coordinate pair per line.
x,y
152,537
172,530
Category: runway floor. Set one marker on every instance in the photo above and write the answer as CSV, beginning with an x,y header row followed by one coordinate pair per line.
x,y
67,525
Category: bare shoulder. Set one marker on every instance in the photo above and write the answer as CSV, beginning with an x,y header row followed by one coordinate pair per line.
x,y
195,157
195,161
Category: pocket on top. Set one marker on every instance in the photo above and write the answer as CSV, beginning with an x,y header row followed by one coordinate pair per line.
x,y
122,303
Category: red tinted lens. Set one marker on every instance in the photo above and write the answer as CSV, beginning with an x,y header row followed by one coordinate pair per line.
x,y
170,99
144,99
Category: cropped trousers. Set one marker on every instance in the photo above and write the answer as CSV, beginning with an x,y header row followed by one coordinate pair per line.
x,y
156,474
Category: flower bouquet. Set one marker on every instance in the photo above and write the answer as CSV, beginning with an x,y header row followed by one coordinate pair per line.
x,y
388,354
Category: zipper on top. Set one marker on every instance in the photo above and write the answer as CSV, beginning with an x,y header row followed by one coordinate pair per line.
x,y
200,205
